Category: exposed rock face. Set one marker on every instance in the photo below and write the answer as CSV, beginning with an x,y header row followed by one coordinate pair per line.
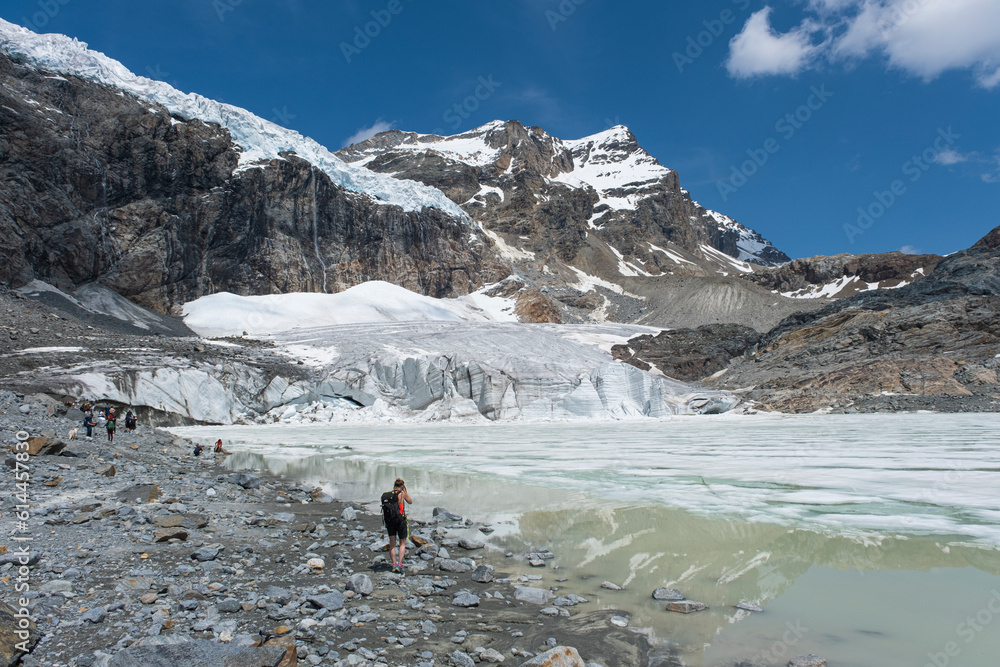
x,y
934,344
98,186
688,354
801,277
545,195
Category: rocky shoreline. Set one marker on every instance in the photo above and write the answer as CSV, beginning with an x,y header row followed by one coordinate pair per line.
x,y
142,553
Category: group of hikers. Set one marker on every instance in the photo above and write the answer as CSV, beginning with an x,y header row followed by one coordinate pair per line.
x,y
108,419
217,449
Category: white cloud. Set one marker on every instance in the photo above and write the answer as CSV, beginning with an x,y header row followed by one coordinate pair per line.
x,y
922,37
994,175
759,50
909,250
368,132
950,156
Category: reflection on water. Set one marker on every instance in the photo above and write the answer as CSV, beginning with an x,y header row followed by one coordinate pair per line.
x,y
866,553
855,602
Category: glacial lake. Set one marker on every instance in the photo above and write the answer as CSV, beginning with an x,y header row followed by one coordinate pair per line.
x,y
870,540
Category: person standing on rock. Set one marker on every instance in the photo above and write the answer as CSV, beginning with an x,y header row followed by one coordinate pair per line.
x,y
89,424
110,425
394,516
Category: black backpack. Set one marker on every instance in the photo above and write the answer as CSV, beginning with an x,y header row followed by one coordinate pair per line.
x,y
391,515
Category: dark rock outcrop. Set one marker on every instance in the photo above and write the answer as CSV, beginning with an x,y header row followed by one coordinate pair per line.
x,y
934,344
889,269
97,186
688,354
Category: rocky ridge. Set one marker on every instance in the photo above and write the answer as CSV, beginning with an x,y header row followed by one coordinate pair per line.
x,y
933,344
100,186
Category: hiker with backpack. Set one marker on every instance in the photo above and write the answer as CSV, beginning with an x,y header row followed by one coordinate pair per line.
x,y
394,518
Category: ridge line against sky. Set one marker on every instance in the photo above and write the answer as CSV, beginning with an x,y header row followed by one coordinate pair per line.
x,y
827,125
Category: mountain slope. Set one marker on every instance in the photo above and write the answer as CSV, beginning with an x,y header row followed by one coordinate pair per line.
x,y
933,344
545,195
97,185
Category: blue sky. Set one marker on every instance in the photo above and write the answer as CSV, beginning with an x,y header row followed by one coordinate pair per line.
x,y
799,118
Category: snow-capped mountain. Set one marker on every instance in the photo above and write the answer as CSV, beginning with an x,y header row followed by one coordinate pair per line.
x,y
623,186
260,140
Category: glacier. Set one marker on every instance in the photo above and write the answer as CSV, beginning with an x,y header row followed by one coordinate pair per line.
x,y
261,140
375,353
433,371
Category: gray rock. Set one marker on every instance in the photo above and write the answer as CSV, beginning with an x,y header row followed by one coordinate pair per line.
x,y
15,558
563,656
667,594
483,574
95,615
451,565
246,480
442,514
197,652
278,594
229,606
490,655
613,587
331,601
460,659
470,545
205,554
428,627
57,586
465,599
748,606
687,606
360,584
619,621
532,595
807,661
549,611
349,514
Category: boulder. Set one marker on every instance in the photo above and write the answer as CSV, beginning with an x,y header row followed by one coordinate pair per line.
x,y
451,565
465,599
205,554
532,595
687,606
95,615
360,584
331,601
470,545
13,637
667,594
168,520
168,534
441,514
483,574
43,446
560,656
198,652
246,480
143,493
